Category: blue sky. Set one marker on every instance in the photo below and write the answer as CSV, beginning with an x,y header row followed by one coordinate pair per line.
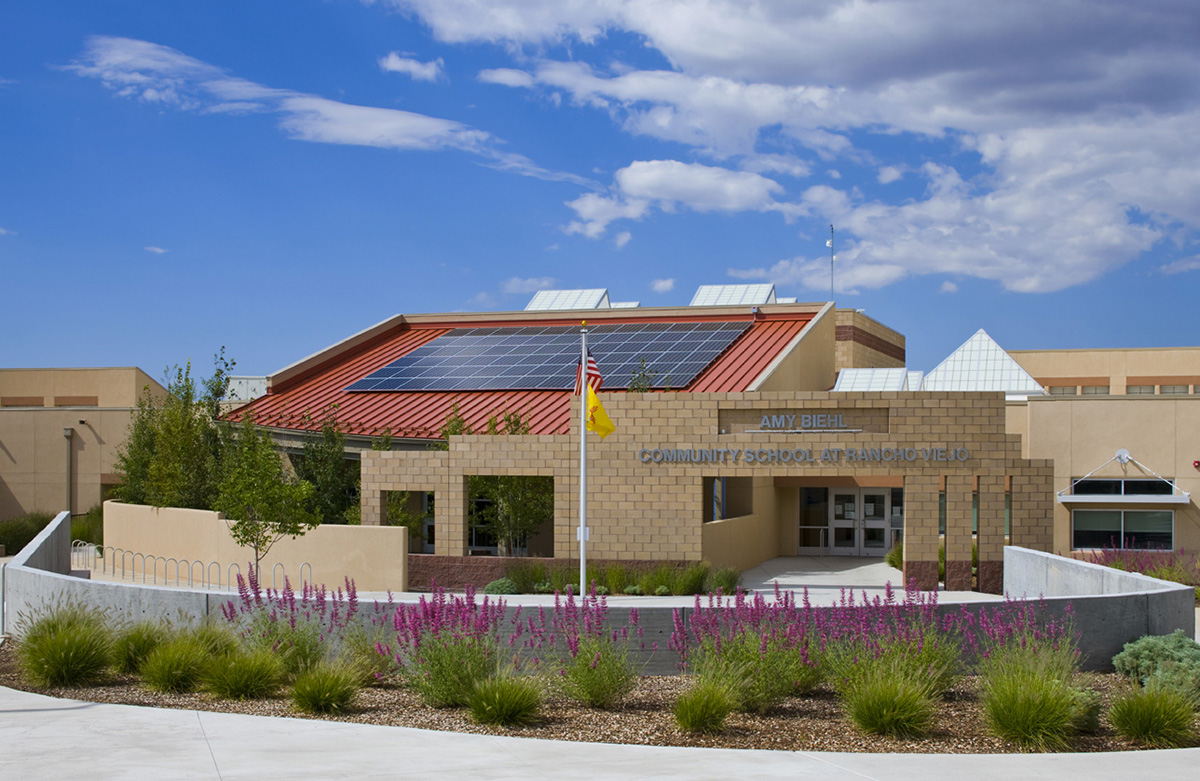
x,y
275,176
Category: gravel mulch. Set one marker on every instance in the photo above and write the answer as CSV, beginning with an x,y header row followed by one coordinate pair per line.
x,y
814,722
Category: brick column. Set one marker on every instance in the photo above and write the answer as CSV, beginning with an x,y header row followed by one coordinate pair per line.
x,y
959,489
991,534
450,520
374,507
1033,505
921,538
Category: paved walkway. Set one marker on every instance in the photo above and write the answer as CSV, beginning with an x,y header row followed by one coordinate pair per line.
x,y
49,739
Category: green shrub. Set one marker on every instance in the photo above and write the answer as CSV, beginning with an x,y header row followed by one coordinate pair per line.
x,y
599,674
634,590
690,580
704,707
359,651
299,645
245,675
755,673
895,556
934,661
501,586
446,669
614,577
134,643
1087,711
662,591
526,574
506,701
883,703
1182,677
726,580
177,665
544,587
215,639
1155,716
66,644
1034,712
89,527
602,591
1140,659
325,688
16,533
561,577
661,575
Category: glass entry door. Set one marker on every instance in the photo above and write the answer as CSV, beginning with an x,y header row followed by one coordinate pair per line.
x,y
859,521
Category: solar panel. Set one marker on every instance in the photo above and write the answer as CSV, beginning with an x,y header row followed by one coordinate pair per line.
x,y
544,357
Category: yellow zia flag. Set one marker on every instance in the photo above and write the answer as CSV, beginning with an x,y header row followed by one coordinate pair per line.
x,y
597,418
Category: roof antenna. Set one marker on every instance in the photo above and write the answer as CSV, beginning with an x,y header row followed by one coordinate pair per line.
x,y
832,258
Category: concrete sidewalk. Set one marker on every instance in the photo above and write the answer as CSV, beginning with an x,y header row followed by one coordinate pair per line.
x,y
47,738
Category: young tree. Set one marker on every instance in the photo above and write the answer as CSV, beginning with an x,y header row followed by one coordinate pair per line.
x,y
171,457
334,477
516,506
261,505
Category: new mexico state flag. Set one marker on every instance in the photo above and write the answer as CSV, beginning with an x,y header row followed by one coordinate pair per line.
x,y
597,418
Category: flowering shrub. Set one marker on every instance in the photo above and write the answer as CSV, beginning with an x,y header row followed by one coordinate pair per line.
x,y
312,626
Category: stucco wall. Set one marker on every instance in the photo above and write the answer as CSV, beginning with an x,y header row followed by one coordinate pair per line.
x,y
375,557
1081,433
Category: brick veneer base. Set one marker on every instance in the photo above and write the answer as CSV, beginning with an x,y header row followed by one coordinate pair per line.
x,y
923,573
457,572
958,576
991,577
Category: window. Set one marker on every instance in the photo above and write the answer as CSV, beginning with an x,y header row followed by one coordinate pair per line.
x,y
1172,389
1095,487
1062,390
1126,529
1094,390
1139,390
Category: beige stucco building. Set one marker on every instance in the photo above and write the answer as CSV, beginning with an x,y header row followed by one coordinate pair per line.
x,y
59,434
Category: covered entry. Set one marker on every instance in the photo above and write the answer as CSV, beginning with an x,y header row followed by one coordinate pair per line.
x,y
850,520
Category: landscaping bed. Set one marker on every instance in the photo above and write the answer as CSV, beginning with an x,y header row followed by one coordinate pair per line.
x,y
813,722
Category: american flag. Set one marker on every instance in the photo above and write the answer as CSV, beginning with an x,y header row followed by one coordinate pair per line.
x,y
593,375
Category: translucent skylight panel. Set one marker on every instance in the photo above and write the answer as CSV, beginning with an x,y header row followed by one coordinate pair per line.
x,y
595,298
733,295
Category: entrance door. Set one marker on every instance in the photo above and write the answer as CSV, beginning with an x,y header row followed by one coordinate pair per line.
x,y
858,521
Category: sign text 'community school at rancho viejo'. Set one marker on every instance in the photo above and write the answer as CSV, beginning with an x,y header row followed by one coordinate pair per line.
x,y
787,423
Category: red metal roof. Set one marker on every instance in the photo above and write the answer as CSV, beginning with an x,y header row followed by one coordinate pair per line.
x,y
301,402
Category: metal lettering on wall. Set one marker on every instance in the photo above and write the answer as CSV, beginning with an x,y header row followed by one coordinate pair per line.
x,y
800,455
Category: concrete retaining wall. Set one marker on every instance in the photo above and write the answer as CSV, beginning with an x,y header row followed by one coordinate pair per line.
x,y
1110,607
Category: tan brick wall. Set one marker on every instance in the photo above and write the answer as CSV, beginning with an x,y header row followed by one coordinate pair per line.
x,y
654,511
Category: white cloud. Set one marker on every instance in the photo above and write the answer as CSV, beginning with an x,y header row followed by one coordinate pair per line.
x,y
670,185
1078,126
4,232
662,285
483,300
158,74
532,285
1180,266
948,287
507,77
155,250
622,238
419,71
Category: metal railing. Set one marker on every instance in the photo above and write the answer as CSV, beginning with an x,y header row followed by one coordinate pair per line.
x,y
168,570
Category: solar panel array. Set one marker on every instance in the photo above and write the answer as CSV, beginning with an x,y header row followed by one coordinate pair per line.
x,y
545,357
594,298
733,295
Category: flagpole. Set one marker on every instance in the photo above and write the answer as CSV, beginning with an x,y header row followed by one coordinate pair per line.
x,y
582,532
